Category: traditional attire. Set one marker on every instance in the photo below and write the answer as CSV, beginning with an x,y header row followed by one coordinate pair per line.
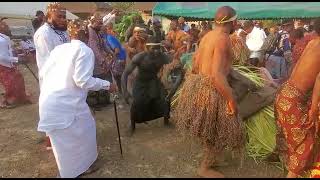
x,y
102,66
240,50
148,92
202,110
10,77
45,40
64,114
291,110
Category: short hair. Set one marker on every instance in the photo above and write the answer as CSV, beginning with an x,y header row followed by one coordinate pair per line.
x,y
316,26
247,24
38,13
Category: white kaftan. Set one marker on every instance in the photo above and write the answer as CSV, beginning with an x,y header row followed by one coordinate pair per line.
x,y
64,114
45,40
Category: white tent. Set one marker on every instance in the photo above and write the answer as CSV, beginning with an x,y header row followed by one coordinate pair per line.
x,y
26,10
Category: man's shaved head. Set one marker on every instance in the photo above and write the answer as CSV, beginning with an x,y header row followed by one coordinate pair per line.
x,y
224,13
226,17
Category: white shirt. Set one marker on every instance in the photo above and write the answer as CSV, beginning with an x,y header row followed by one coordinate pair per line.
x,y
45,40
67,78
255,39
6,56
109,18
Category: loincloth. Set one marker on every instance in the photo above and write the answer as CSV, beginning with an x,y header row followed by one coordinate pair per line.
x,y
291,111
201,112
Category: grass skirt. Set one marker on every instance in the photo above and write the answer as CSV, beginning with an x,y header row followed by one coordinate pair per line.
x,y
201,112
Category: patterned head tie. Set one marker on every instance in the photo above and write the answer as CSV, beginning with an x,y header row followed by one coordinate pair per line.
x,y
224,20
75,26
54,7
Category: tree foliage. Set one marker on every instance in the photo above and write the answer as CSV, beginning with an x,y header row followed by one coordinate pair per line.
x,y
123,6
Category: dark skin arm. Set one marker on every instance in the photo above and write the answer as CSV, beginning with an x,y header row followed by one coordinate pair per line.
x,y
219,63
128,70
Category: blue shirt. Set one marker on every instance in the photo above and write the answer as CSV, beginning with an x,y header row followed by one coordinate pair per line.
x,y
114,43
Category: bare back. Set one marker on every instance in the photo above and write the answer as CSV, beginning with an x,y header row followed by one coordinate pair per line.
x,y
214,53
308,67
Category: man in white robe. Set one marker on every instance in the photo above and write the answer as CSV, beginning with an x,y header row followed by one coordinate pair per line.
x,y
51,34
64,114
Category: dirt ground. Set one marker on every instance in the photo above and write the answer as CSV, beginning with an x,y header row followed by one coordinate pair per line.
x,y
153,151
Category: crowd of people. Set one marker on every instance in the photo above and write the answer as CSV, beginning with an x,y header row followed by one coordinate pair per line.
x,y
82,63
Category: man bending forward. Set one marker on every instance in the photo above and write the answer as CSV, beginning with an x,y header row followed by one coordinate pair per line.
x,y
64,114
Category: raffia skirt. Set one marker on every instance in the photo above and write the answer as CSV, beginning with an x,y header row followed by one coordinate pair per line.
x,y
201,113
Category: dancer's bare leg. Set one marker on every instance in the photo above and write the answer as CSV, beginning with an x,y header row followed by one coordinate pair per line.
x,y
205,169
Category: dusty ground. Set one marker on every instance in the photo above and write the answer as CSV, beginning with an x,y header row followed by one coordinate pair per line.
x,y
153,151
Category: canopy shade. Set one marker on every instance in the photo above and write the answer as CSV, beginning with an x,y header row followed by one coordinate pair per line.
x,y
245,10
26,10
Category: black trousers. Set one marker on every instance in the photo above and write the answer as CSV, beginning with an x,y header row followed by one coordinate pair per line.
x,y
149,101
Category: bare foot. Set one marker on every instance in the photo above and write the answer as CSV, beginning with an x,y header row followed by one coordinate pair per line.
x,y
209,173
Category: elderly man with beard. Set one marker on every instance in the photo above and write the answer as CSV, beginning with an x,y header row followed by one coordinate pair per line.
x,y
10,77
51,34
64,114
103,61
